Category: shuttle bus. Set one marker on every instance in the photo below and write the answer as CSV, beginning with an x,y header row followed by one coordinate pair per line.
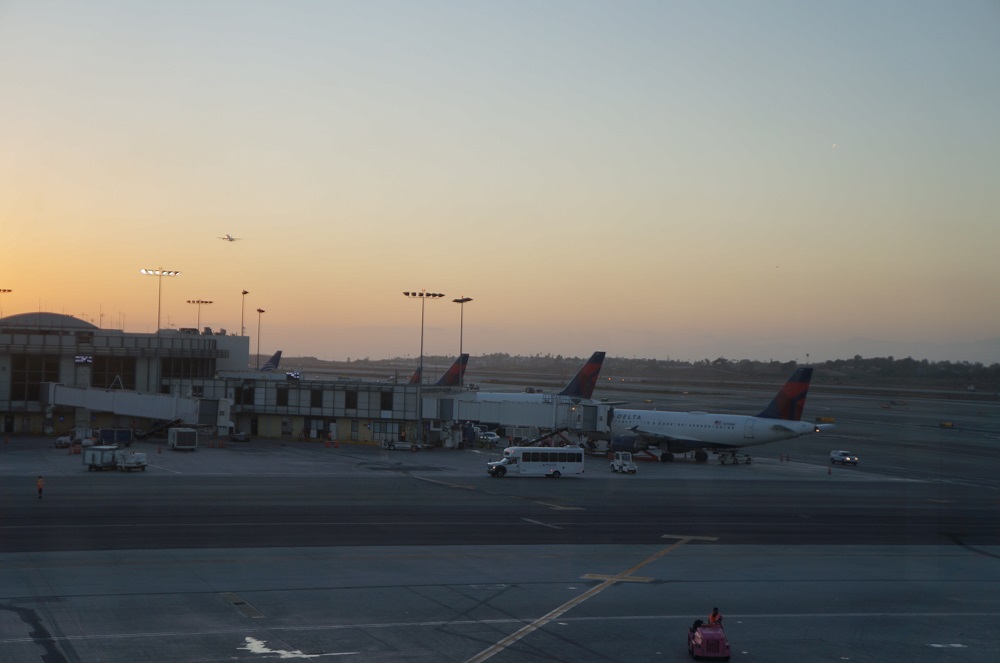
x,y
538,461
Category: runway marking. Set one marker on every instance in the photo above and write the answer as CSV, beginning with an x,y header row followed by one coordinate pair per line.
x,y
500,621
624,576
557,507
255,646
160,467
538,522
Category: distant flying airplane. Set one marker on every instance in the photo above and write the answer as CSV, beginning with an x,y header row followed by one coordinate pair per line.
x,y
723,434
452,377
229,238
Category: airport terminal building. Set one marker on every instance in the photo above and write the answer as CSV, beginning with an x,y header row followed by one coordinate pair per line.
x,y
57,372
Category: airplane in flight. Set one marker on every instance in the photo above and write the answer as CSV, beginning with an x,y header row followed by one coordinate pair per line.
x,y
580,388
229,238
452,377
723,434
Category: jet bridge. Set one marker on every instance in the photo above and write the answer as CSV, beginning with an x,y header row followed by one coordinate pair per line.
x,y
123,402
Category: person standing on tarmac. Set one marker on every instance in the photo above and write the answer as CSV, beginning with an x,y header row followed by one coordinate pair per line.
x,y
41,484
715,619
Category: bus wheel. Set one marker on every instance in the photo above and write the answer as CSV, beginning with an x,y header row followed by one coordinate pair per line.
x,y
556,475
499,472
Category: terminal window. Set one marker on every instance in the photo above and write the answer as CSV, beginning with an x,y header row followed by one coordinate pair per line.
x,y
27,372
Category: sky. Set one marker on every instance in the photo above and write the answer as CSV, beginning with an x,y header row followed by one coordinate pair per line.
x,y
664,179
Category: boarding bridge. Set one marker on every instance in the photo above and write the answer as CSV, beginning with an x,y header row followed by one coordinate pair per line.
x,y
133,404
552,414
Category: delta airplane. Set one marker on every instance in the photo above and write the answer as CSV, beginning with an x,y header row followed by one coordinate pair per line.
x,y
452,377
580,388
271,363
723,434
229,238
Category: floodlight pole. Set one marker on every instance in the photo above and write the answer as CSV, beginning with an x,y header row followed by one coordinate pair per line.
x,y
159,274
199,302
423,296
3,291
259,311
461,325
243,305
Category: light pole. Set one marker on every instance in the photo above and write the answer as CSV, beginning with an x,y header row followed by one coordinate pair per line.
x,y
461,324
243,305
259,311
3,291
423,296
159,274
199,302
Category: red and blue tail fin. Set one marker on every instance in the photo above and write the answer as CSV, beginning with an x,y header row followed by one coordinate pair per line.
x,y
454,375
582,386
417,375
791,400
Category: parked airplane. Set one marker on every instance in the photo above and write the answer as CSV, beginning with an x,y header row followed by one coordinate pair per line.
x,y
271,363
678,432
229,238
452,377
581,387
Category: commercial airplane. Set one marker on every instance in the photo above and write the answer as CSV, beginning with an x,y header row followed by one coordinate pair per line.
x,y
272,363
452,377
723,434
580,388
229,238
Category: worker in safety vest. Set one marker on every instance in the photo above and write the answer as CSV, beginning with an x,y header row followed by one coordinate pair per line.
x,y
715,619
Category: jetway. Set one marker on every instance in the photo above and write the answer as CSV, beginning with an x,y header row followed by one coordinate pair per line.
x,y
550,414
127,403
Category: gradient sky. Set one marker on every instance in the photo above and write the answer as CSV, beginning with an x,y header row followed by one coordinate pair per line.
x,y
652,179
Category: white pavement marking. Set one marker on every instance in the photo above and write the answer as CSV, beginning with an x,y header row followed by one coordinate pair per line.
x,y
624,576
538,522
255,646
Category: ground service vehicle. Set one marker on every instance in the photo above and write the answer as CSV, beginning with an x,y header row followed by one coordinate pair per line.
x,y
99,457
112,457
489,438
843,457
77,435
185,439
708,642
534,461
622,462
126,460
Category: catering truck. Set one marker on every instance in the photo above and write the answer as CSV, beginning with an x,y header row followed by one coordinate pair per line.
x,y
185,439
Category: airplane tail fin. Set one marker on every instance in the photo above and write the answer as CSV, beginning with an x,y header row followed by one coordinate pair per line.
x,y
417,375
453,376
582,386
271,363
791,399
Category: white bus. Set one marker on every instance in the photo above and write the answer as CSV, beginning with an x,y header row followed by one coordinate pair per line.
x,y
538,461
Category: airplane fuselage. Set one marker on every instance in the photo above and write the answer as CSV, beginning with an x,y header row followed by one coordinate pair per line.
x,y
701,430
